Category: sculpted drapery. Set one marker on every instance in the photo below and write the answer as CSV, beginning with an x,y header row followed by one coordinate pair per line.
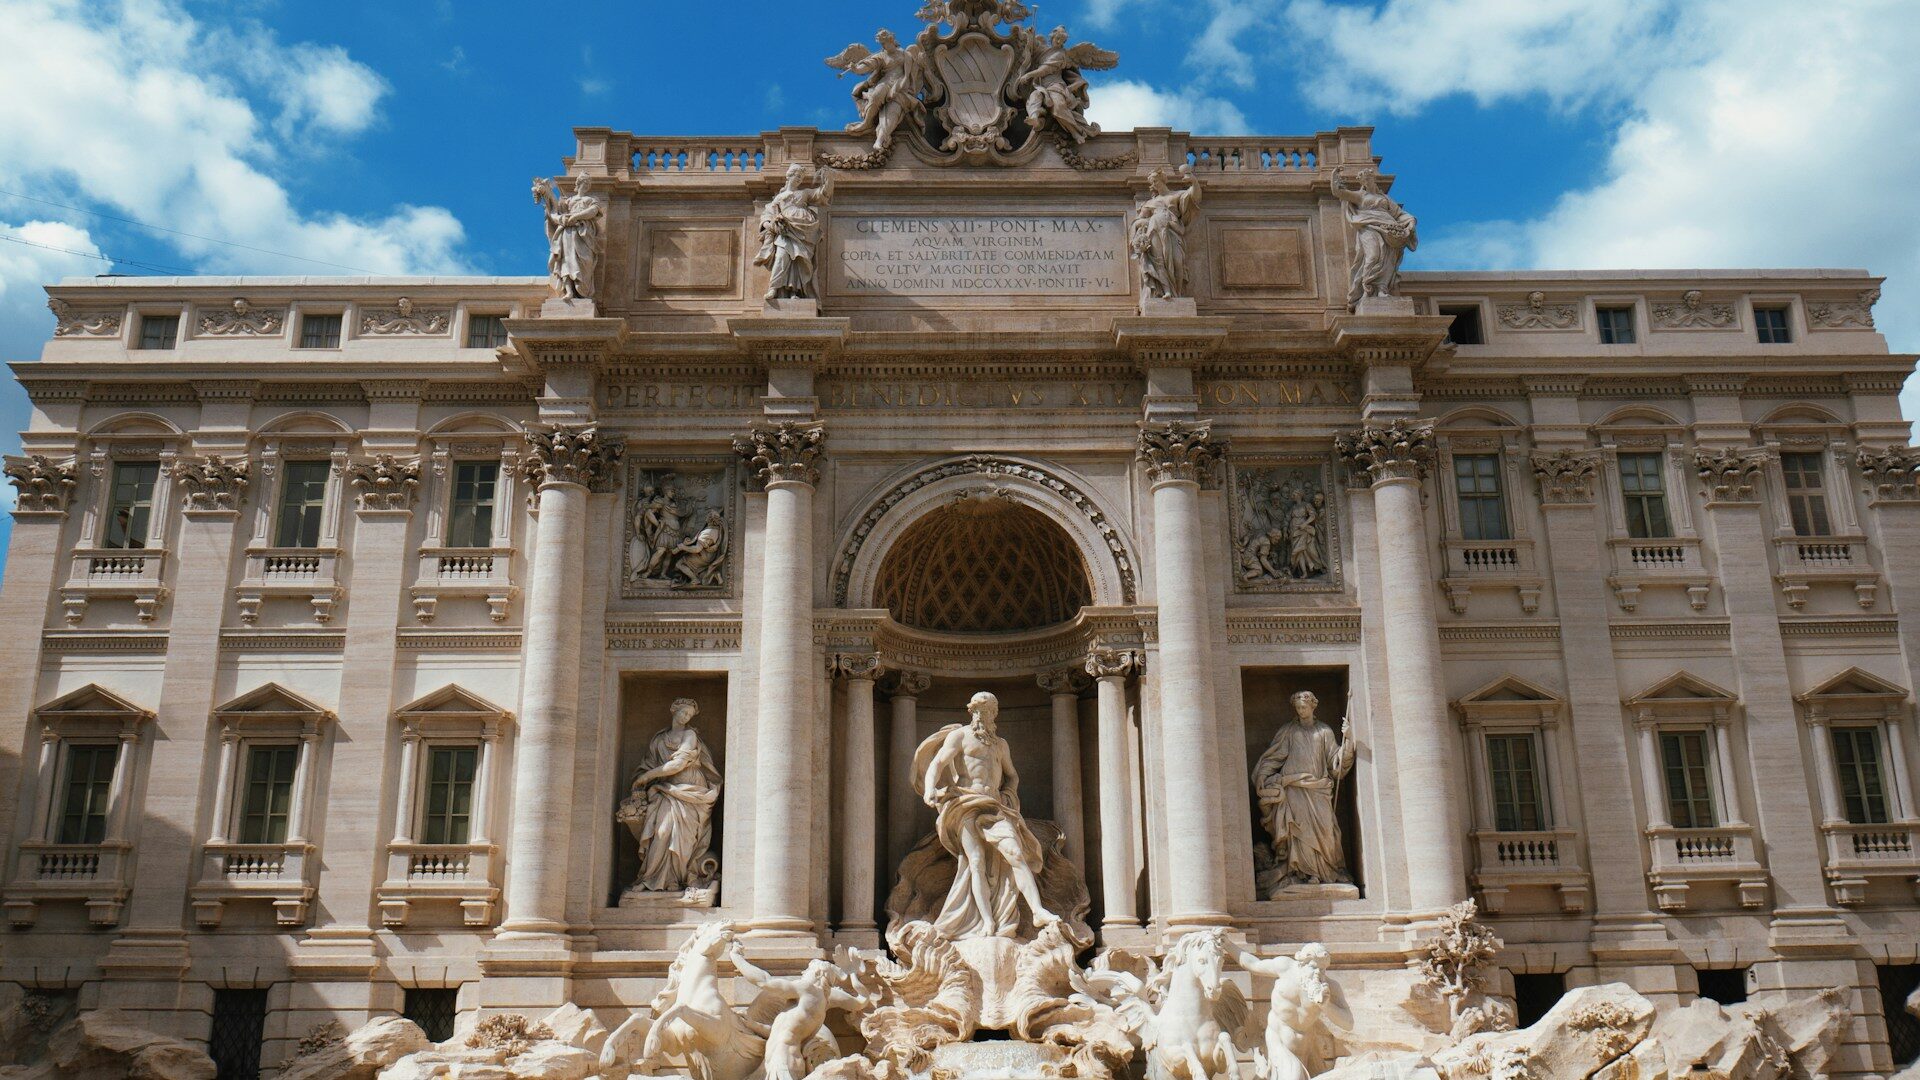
x,y
1295,781
1381,231
573,238
670,810
791,228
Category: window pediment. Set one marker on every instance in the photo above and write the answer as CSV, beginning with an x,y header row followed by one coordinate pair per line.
x,y
1681,696
272,705
1510,700
453,709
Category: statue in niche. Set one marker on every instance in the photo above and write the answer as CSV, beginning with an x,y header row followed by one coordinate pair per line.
x,y
1158,236
1295,782
573,237
790,232
669,810
1282,535
891,92
660,552
1380,232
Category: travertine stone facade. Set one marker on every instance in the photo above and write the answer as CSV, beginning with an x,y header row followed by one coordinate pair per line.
x,y
345,610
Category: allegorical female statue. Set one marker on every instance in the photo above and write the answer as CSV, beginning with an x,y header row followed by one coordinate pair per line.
x,y
1295,781
791,229
573,238
670,808
1159,236
1380,232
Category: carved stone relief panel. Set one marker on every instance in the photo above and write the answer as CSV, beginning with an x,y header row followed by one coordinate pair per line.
x,y
694,258
678,536
1285,525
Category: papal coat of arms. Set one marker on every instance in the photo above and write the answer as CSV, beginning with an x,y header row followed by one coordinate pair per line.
x,y
985,90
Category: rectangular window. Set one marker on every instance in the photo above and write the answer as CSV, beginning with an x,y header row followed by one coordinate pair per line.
x,y
486,331
83,806
319,331
1728,986
239,1032
449,810
1519,802
1483,509
433,1009
269,794
1643,485
130,509
1616,325
470,511
1771,324
1466,324
1863,789
1689,787
303,501
159,331
1806,494
1898,983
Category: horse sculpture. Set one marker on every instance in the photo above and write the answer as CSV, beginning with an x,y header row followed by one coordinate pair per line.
x,y
693,1022
1185,1013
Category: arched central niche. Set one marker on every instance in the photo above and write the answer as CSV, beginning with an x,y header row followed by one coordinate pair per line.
x,y
983,564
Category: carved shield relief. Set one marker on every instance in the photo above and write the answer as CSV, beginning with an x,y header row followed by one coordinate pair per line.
x,y
974,72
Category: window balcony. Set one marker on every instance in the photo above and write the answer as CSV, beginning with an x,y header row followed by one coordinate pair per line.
x,y
311,574
461,873
114,574
95,874
1685,857
1858,853
485,573
1546,859
279,873
1669,562
1472,564
1806,560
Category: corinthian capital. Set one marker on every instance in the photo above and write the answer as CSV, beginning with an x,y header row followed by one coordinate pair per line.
x,y
1112,663
1894,473
212,482
385,483
1730,473
1062,681
1178,450
1402,450
856,666
1566,476
44,487
787,451
566,454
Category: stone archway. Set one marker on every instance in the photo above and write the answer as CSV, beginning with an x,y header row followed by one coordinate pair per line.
x,y
983,564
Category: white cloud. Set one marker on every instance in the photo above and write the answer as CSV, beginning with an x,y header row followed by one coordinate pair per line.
x,y
25,322
1101,14
1122,104
133,105
1745,133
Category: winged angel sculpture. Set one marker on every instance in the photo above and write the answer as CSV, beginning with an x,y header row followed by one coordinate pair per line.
x,y
987,89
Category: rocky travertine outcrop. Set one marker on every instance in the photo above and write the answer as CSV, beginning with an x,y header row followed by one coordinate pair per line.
x,y
108,1045
337,1055
564,1045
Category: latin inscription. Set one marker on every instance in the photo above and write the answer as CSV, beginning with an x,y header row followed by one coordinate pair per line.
x,y
986,255
664,395
979,395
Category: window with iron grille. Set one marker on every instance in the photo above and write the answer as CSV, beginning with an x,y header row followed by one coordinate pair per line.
x,y
130,509
1771,326
319,331
303,502
1513,771
486,331
1806,494
449,809
434,1010
83,805
470,511
1898,983
1535,995
1616,325
269,802
159,331
1643,486
1728,986
1483,507
1863,789
239,1030
1689,783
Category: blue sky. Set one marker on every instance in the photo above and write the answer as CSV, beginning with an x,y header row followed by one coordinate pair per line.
x,y
400,137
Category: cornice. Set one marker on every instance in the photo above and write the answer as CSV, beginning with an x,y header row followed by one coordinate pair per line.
x,y
418,640
1178,341
104,641
790,341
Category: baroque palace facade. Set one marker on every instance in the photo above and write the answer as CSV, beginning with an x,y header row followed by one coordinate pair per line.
x,y
356,616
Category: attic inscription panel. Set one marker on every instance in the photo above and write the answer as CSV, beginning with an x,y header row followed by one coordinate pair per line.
x,y
978,255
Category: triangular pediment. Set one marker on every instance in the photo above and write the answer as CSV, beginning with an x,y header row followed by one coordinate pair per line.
x,y
271,700
1855,683
451,700
1683,686
92,700
1509,688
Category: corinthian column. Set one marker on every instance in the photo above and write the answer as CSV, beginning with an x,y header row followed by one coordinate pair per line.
x,y
1178,455
1110,668
1393,460
782,457
563,464
857,796
1063,687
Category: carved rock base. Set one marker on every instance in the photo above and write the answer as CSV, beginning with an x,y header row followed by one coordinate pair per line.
x,y
994,960
666,902
996,1061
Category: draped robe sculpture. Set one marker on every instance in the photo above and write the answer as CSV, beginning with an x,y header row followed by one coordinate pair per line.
x,y
1158,237
1294,781
670,809
1380,232
791,228
573,238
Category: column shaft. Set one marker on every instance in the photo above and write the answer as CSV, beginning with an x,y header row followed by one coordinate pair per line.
x,y
902,806
857,826
1118,884
783,829
1066,776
